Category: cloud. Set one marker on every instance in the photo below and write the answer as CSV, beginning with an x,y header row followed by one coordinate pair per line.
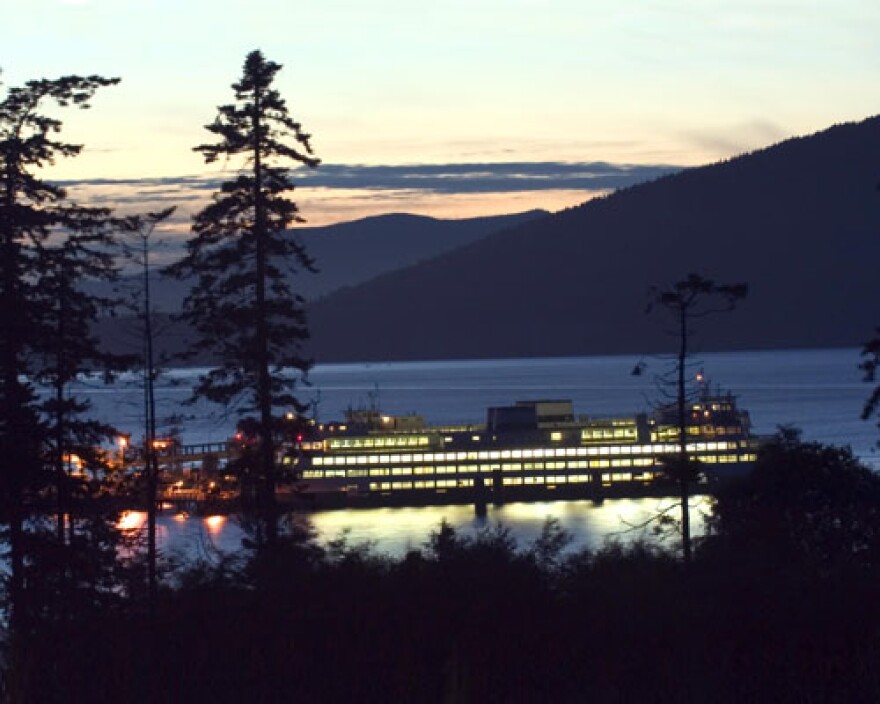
x,y
499,177
737,139
339,192
490,177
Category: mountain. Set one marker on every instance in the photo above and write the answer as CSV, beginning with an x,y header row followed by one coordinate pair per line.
x,y
798,221
345,253
353,252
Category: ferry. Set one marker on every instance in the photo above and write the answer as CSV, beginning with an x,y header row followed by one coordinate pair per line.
x,y
532,450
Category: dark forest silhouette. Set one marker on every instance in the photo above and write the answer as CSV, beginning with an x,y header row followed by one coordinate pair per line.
x,y
775,606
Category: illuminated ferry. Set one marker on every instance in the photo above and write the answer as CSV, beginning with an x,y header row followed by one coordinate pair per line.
x,y
533,450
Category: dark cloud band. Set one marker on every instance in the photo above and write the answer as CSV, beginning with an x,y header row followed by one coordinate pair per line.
x,y
436,178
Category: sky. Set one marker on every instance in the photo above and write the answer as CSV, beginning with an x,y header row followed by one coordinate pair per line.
x,y
451,108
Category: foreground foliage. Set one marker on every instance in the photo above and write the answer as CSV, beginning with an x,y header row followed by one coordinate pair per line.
x,y
776,605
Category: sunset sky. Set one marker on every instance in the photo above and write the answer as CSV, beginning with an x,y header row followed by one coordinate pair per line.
x,y
449,107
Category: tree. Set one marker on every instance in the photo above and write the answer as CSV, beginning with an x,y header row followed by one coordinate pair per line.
x,y
241,305
65,344
869,365
803,504
32,213
688,300
143,226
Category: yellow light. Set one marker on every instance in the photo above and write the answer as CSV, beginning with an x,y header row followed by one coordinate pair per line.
x,y
131,520
215,524
289,415
123,442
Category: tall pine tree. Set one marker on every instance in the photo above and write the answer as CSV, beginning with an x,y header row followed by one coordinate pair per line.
x,y
34,217
686,301
241,255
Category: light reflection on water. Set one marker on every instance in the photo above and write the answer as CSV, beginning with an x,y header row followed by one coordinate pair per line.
x,y
394,531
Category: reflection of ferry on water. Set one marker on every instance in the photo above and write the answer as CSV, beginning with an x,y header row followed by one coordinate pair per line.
x,y
534,450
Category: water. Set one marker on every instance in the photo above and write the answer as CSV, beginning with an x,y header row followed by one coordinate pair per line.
x,y
819,391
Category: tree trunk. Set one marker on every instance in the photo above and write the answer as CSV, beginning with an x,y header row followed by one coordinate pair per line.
x,y
682,438
264,381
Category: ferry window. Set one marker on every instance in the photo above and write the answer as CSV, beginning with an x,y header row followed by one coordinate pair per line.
x,y
556,436
517,454
505,454
317,461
